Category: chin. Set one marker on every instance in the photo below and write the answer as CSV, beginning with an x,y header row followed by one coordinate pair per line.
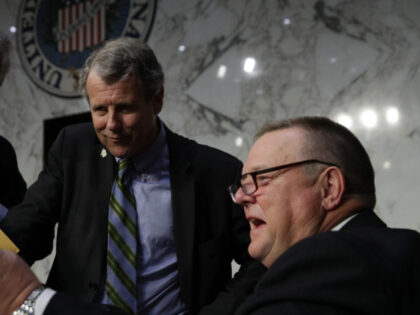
x,y
253,251
119,153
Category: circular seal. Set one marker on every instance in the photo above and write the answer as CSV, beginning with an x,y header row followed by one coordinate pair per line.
x,y
54,38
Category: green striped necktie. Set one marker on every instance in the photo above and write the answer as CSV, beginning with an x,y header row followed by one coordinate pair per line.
x,y
121,287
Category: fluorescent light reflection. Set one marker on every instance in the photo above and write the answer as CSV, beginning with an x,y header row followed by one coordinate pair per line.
x,y
287,21
369,118
181,48
12,29
239,141
221,72
392,115
387,165
249,65
345,120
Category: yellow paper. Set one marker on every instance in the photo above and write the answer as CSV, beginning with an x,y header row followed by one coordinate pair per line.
x,y
6,243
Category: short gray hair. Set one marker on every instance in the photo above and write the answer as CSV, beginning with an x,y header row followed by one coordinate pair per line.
x,y
119,58
331,142
4,56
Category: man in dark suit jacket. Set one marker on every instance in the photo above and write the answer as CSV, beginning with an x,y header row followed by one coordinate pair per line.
x,y
12,185
123,82
308,192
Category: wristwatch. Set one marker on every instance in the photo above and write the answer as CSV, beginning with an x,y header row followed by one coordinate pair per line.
x,y
27,308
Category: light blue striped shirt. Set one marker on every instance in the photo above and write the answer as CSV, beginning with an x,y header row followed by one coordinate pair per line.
x,y
157,274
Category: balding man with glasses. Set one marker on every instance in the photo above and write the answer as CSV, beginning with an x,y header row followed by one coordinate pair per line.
x,y
308,193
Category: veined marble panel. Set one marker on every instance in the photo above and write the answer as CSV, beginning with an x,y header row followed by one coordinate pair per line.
x,y
233,65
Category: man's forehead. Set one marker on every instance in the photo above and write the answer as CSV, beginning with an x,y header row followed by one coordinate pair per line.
x,y
95,75
102,89
275,148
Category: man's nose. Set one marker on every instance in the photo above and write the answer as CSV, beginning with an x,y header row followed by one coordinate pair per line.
x,y
242,199
113,121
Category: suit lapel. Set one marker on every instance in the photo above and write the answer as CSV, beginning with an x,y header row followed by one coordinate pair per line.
x,y
183,205
105,173
104,166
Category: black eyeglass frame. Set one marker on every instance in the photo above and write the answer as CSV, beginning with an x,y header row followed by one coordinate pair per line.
x,y
234,187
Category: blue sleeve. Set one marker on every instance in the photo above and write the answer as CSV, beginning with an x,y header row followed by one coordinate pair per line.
x,y
3,212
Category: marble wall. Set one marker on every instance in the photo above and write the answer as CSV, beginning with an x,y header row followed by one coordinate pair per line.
x,y
232,65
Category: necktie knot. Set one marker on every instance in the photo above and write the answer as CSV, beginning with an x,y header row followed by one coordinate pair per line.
x,y
124,166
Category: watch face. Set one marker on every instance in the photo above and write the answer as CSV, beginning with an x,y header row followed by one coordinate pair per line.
x,y
55,37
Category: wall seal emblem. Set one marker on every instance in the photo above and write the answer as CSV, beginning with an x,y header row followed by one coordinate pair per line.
x,y
55,37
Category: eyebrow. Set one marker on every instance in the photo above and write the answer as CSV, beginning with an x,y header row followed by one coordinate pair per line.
x,y
94,106
115,105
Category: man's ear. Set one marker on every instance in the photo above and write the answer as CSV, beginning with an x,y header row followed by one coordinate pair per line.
x,y
158,101
332,187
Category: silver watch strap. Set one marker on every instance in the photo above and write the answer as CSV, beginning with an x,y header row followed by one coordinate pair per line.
x,y
27,308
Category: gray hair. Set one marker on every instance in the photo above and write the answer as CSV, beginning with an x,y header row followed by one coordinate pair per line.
x,y
4,56
119,58
331,142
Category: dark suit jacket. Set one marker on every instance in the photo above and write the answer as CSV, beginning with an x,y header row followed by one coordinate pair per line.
x,y
74,190
12,185
365,268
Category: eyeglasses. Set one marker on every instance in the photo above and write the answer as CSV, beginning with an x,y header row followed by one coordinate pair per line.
x,y
249,181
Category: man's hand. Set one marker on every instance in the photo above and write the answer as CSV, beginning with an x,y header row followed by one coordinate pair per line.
x,y
17,281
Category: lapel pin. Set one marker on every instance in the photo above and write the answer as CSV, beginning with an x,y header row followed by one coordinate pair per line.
x,y
103,153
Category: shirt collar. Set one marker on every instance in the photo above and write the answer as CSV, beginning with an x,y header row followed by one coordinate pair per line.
x,y
340,225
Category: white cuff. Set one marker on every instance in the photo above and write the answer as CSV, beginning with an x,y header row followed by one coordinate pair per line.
x,y
43,300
